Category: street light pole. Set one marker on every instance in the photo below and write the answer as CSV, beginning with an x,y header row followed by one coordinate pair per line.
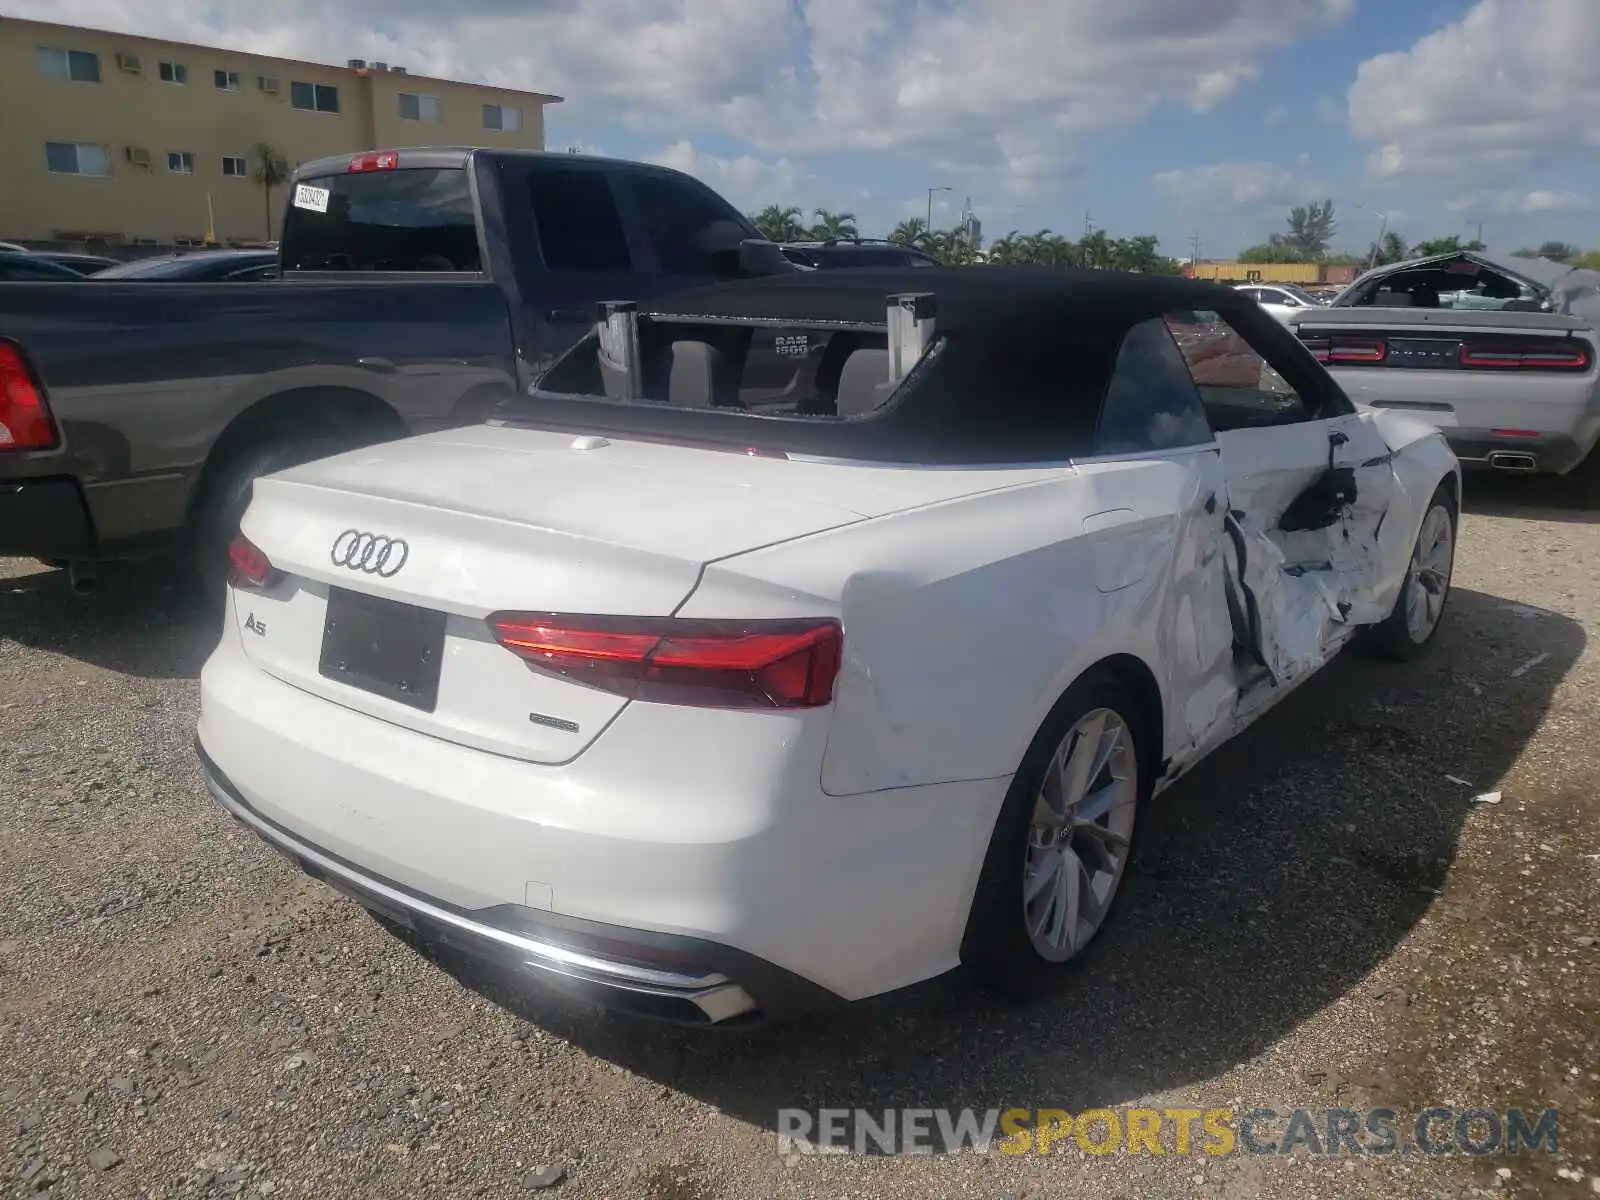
x,y
931,191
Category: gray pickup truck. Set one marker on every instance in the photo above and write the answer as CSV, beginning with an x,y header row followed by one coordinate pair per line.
x,y
417,289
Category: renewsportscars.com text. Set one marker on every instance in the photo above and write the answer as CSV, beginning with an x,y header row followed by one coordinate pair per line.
x,y
1432,1131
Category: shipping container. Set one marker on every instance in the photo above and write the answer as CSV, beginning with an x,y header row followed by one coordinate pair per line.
x,y
1238,272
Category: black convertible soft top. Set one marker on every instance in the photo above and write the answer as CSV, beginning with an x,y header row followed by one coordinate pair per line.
x,y
1016,371
968,297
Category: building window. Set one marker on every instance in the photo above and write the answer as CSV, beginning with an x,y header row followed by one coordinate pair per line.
x,y
146,241
172,72
180,162
416,107
77,158
498,116
234,166
80,66
226,81
314,97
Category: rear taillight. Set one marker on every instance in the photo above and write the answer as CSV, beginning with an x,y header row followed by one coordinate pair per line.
x,y
1348,351
379,160
25,422
1542,356
674,660
250,570
1358,350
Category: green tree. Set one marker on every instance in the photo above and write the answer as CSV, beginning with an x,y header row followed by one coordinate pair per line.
x,y
1588,262
1390,248
1274,250
271,170
830,225
1311,228
913,231
1558,251
779,224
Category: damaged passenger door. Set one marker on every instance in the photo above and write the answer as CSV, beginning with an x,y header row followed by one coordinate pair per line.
x,y
1309,481
1160,498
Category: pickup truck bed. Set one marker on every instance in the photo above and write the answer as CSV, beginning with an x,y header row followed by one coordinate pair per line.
x,y
419,288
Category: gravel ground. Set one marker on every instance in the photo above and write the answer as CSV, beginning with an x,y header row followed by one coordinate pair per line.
x,y
1321,917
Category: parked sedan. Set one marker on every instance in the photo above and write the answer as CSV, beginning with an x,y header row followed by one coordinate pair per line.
x,y
198,266
1280,299
719,716
79,264
31,268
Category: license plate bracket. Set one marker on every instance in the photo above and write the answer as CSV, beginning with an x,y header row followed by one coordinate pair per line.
x,y
384,647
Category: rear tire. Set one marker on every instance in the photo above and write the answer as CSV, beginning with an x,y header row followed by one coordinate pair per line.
x,y
226,495
1419,609
1061,845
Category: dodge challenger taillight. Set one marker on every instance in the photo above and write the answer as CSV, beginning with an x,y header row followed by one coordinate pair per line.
x,y
1350,351
1546,355
677,660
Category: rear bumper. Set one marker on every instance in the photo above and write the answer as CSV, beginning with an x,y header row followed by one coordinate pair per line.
x,y
1550,453
44,518
691,842
672,978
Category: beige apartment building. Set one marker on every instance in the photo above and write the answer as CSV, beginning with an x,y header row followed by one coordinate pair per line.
x,y
126,140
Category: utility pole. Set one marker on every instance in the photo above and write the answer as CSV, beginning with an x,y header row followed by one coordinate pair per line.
x,y
1088,223
931,191
1194,249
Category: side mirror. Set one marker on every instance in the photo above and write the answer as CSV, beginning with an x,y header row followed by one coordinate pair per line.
x,y
753,258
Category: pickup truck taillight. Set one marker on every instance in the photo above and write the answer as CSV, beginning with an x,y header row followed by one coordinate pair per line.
x,y
25,422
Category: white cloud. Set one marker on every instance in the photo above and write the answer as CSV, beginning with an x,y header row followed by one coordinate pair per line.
x,y
1005,89
749,182
1511,202
1241,187
1278,114
1508,88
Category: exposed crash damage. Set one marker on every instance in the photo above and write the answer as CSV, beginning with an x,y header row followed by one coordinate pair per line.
x,y
1316,559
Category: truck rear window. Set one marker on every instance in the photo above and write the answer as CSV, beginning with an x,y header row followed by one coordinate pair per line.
x,y
418,219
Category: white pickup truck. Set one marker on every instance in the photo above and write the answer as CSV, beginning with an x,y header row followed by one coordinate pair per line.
x,y
1474,350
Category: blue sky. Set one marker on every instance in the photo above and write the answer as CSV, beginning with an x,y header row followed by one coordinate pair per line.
x,y
1172,117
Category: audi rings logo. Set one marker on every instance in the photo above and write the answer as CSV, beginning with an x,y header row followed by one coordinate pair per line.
x,y
372,553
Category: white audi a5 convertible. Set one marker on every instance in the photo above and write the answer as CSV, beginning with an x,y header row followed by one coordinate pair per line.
x,y
719,707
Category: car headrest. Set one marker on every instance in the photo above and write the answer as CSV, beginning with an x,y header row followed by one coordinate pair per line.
x,y
691,375
863,382
1387,298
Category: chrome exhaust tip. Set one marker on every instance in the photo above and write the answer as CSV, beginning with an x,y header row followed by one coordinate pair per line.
x,y
1510,460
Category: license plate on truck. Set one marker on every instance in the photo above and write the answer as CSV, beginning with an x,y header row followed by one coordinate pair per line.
x,y
381,646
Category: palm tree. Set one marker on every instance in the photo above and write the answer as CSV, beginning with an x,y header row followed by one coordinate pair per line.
x,y
911,232
831,225
779,224
271,171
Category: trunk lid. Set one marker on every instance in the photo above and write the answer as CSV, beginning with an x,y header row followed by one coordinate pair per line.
x,y
475,521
